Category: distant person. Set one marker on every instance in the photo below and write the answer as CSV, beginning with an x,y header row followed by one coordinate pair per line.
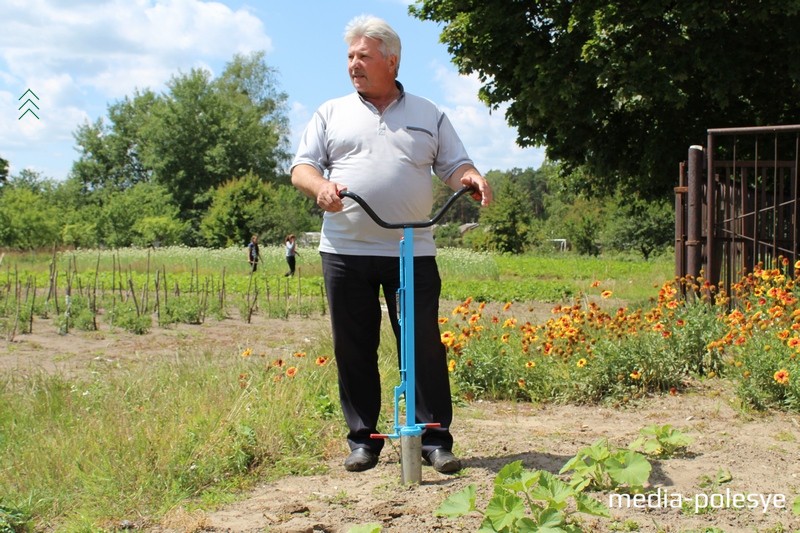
x,y
382,143
253,253
291,252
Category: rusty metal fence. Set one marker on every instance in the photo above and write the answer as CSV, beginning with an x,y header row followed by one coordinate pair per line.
x,y
736,203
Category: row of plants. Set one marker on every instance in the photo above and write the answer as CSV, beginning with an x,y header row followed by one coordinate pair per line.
x,y
137,289
587,353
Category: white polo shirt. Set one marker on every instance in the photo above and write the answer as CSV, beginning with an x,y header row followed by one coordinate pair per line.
x,y
386,159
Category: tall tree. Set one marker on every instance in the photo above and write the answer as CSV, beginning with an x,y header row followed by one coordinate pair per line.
x,y
111,151
191,138
624,88
206,132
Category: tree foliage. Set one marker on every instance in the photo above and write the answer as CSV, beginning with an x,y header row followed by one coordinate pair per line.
x,y
3,170
624,88
198,134
28,217
247,206
643,226
508,218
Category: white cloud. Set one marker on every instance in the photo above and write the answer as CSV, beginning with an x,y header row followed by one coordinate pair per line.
x,y
489,140
136,43
80,55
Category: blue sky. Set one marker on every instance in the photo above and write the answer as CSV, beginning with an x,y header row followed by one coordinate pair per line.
x,y
79,56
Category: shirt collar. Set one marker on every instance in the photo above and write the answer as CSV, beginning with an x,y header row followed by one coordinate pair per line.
x,y
399,97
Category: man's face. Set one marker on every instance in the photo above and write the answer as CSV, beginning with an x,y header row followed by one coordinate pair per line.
x,y
371,73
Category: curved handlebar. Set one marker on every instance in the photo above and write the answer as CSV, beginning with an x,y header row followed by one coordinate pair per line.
x,y
397,225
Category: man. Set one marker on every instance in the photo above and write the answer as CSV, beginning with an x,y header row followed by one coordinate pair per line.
x,y
382,143
253,253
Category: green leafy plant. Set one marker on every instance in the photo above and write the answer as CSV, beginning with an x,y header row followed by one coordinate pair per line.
x,y
661,441
601,467
722,476
525,500
12,520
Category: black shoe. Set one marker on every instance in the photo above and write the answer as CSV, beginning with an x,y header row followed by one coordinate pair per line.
x,y
443,461
360,459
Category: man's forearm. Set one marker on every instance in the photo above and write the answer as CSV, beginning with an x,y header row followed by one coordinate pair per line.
x,y
308,180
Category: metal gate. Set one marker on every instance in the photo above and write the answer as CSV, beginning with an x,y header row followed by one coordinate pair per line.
x,y
736,204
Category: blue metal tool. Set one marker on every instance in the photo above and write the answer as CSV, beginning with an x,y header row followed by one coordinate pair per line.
x,y
409,432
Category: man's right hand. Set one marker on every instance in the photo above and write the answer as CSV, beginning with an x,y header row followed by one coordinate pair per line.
x,y
310,182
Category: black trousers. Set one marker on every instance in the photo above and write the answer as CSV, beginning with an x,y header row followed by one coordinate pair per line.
x,y
353,285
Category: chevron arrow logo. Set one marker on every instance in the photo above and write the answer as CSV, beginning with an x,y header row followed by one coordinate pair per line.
x,y
28,104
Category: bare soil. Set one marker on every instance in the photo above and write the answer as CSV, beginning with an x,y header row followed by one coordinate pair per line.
x,y
759,450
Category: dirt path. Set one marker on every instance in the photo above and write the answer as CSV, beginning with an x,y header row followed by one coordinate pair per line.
x,y
760,450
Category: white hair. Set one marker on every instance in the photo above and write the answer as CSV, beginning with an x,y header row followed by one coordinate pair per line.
x,y
374,28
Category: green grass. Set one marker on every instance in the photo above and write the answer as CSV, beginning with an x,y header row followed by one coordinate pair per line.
x,y
631,280
139,441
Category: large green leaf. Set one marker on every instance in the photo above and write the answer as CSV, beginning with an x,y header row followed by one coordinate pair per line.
x,y
458,504
553,491
629,468
504,510
587,504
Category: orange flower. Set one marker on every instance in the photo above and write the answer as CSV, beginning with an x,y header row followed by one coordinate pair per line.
x,y
278,363
291,371
596,283
781,376
451,366
521,383
247,353
443,320
507,306
636,374
448,338
299,354
530,364
606,294
581,363
321,360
